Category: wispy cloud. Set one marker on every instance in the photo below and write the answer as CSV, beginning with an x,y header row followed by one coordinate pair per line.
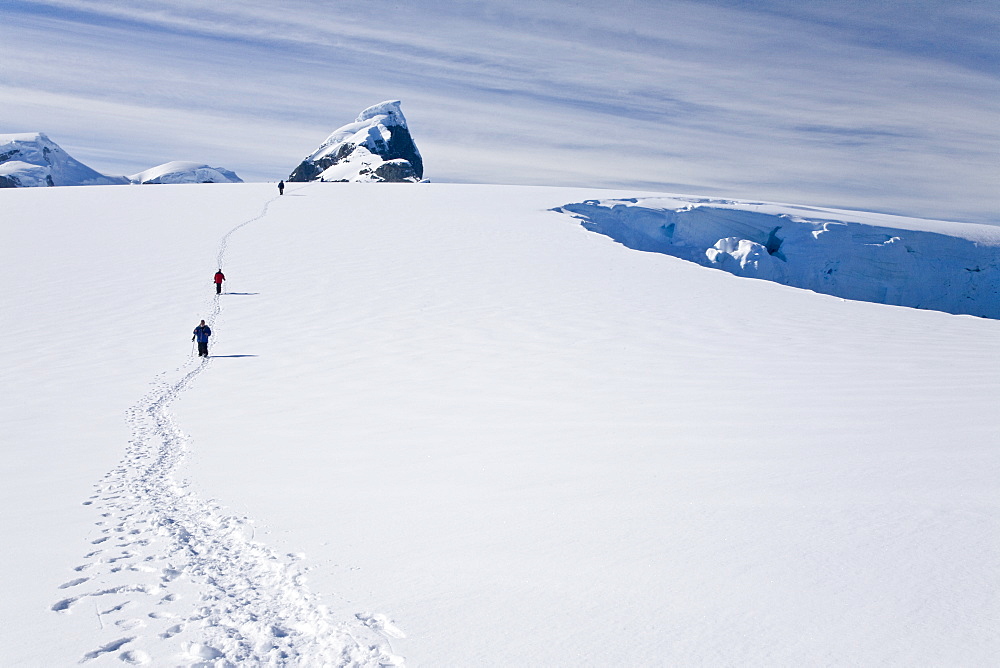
x,y
826,103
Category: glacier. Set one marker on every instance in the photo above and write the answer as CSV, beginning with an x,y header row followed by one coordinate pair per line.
x,y
937,265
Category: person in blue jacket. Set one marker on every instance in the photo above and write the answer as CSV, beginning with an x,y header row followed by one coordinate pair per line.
x,y
201,333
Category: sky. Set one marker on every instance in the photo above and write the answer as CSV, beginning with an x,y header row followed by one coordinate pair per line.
x,y
886,106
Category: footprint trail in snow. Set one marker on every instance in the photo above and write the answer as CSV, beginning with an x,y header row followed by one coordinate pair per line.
x,y
172,579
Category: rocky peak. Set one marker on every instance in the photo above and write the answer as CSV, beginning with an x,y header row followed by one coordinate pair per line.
x,y
376,147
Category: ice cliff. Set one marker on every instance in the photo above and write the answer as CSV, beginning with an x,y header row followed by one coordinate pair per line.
x,y
938,265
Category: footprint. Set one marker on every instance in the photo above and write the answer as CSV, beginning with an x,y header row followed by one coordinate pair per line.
x,y
172,631
382,624
73,583
110,647
139,568
64,605
129,624
136,657
199,651
98,541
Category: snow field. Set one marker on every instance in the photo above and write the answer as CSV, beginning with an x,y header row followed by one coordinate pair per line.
x,y
564,451
487,435
171,578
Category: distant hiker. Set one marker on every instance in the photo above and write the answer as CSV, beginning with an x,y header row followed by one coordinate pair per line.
x,y
281,187
201,333
219,277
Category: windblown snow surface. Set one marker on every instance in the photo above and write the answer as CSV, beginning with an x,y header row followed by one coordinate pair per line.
x,y
449,425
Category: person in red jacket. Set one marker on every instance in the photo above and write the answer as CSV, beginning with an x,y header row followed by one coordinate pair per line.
x,y
219,277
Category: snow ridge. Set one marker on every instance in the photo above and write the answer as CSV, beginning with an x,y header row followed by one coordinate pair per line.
x,y
179,171
175,578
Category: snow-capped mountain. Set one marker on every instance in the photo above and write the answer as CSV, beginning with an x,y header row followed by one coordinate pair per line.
x,y
376,147
32,159
179,171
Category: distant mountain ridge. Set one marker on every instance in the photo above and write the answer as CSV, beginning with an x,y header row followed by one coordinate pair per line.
x,y
31,159
376,147
179,171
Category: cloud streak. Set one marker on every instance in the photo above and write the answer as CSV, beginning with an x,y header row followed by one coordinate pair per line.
x,y
831,105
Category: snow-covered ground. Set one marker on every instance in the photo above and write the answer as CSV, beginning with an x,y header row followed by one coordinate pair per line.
x,y
450,425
